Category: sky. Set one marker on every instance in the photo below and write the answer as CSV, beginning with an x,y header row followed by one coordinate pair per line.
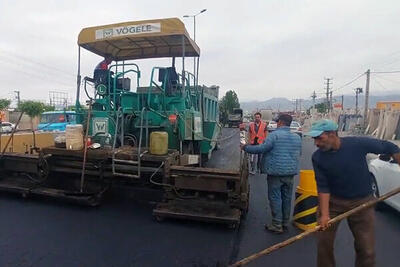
x,y
259,49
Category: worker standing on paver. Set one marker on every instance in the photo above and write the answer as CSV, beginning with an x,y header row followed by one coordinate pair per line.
x,y
101,72
103,65
281,153
257,134
344,182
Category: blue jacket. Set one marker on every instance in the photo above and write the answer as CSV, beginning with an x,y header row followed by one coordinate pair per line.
x,y
281,152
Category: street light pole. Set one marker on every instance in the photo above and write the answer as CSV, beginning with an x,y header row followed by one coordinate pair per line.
x,y
194,28
194,37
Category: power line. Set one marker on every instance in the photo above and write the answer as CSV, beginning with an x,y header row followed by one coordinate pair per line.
x,y
36,67
6,95
38,75
32,61
348,83
393,71
388,56
391,63
379,83
386,79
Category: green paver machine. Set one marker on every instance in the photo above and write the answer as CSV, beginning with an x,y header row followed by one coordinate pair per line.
x,y
172,102
122,114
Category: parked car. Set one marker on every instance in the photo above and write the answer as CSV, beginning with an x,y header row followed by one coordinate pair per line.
x,y
271,126
386,177
295,127
7,127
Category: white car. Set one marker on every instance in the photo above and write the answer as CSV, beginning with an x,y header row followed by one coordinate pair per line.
x,y
295,127
272,126
386,174
7,127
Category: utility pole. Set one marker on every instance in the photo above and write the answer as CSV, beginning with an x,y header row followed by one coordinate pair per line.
x,y
300,105
313,96
366,98
342,102
17,96
330,102
328,83
358,91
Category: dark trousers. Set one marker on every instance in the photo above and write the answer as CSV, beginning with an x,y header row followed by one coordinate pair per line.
x,y
280,191
361,224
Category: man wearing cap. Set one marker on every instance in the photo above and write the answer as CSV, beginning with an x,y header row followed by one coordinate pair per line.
x,y
281,152
344,182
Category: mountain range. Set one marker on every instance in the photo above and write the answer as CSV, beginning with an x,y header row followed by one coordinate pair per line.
x,y
284,104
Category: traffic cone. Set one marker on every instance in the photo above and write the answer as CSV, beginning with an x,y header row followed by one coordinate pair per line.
x,y
306,203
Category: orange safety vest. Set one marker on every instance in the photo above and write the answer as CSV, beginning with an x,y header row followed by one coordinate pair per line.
x,y
261,134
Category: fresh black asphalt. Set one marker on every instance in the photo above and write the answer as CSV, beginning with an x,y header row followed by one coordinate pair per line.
x,y
122,232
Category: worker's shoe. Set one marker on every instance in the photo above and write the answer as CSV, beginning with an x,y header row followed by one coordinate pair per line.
x,y
274,229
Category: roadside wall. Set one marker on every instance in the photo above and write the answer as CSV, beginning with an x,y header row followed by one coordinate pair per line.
x,y
25,122
382,124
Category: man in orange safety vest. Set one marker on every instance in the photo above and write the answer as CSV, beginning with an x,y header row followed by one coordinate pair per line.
x,y
257,134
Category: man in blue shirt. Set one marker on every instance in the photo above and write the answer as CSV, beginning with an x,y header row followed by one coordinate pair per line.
x,y
280,161
344,182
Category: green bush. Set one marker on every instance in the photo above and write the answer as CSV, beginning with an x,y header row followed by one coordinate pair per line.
x,y
32,108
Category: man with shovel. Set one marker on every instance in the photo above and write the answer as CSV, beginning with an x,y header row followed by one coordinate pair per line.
x,y
344,182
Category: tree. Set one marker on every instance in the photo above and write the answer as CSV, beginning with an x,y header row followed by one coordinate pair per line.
x,y
48,108
226,105
321,108
4,103
32,108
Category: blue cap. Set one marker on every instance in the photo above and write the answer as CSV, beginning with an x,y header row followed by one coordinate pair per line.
x,y
318,127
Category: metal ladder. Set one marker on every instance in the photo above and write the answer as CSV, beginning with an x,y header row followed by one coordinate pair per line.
x,y
128,162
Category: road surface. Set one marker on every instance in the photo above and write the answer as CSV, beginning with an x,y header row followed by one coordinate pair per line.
x,y
122,232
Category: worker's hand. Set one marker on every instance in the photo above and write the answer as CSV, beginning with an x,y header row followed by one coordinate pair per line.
x,y
242,146
323,222
242,126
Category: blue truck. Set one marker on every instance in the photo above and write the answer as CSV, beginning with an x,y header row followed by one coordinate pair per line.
x,y
56,120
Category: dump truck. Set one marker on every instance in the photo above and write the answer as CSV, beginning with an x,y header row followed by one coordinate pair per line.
x,y
235,118
120,117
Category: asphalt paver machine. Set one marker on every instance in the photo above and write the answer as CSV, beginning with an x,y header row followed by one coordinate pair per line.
x,y
120,117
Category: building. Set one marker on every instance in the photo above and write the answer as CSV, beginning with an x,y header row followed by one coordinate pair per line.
x,y
388,105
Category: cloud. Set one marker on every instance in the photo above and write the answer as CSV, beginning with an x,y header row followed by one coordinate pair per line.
x,y
260,49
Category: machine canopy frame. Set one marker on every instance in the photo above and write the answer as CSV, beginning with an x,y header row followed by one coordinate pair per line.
x,y
139,39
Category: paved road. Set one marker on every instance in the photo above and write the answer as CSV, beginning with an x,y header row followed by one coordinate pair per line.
x,y
121,232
